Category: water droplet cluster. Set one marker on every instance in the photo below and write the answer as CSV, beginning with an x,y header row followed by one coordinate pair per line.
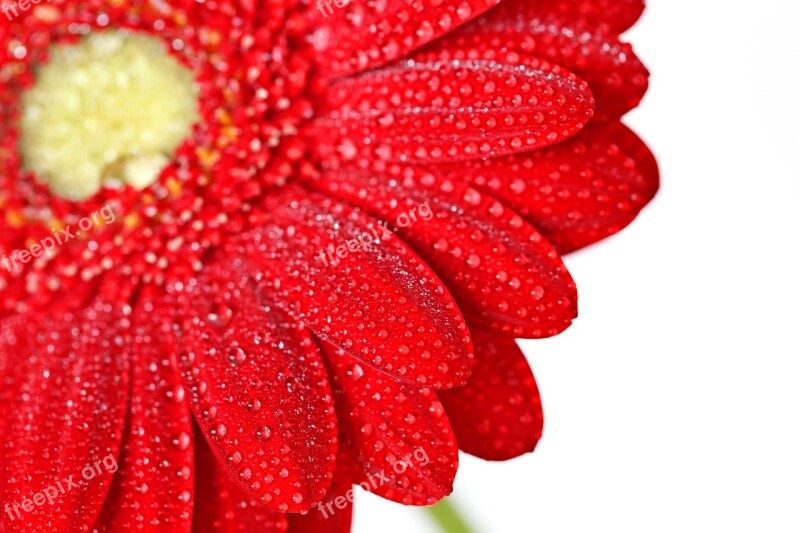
x,y
502,272
369,34
577,192
617,77
498,415
238,352
445,106
398,431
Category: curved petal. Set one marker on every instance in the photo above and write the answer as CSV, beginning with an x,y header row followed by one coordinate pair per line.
x,y
257,387
617,78
635,147
154,488
498,415
334,514
576,193
66,412
380,302
618,15
221,506
14,318
445,106
503,274
355,35
405,448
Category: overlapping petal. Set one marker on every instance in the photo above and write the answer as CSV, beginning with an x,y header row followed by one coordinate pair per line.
x,y
618,15
154,487
575,193
498,415
404,447
334,514
451,105
221,505
65,400
353,36
257,387
617,78
501,271
380,302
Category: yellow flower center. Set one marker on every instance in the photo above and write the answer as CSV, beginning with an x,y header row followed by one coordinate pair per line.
x,y
111,108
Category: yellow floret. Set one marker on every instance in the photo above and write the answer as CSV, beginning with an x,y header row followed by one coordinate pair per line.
x,y
112,107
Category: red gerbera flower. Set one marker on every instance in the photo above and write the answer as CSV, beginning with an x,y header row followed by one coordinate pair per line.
x,y
237,338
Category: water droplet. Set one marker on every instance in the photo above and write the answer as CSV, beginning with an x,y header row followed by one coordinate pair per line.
x,y
355,372
236,356
254,406
263,433
176,394
220,316
182,441
437,410
219,431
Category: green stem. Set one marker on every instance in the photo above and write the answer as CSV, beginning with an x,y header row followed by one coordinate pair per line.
x,y
448,517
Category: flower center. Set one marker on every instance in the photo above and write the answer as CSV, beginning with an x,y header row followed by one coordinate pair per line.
x,y
111,108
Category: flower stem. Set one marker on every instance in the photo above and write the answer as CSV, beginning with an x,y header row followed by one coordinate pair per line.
x,y
448,517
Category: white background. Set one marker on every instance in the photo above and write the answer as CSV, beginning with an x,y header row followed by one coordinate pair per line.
x,y
673,404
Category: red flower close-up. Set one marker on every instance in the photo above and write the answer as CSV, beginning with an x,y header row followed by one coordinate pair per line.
x,y
256,253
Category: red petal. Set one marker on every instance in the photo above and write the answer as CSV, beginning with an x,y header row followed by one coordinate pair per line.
x,y
634,147
18,312
65,399
334,514
442,107
221,506
8,347
617,78
154,488
379,302
11,288
618,15
503,274
576,193
404,445
31,290
365,35
258,388
498,415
